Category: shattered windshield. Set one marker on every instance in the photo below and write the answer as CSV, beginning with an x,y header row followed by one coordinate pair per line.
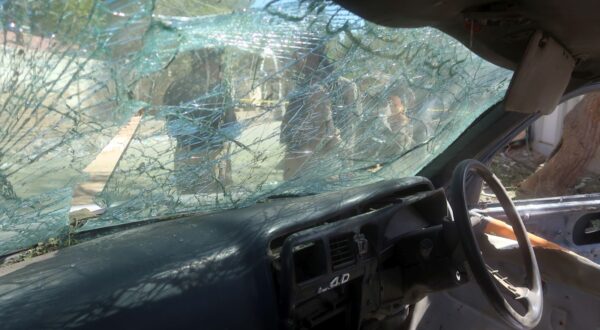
x,y
118,111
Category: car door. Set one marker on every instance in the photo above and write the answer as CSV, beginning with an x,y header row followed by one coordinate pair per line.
x,y
572,222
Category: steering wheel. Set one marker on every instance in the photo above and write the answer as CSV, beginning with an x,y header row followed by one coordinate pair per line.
x,y
490,280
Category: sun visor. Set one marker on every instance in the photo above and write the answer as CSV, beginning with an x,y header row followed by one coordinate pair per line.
x,y
541,78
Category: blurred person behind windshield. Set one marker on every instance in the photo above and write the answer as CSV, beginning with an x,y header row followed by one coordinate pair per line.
x,y
346,111
200,119
307,127
385,124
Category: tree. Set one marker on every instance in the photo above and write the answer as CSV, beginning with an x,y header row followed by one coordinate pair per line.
x,y
199,7
580,141
63,18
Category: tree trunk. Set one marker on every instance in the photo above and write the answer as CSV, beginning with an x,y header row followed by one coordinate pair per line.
x,y
580,141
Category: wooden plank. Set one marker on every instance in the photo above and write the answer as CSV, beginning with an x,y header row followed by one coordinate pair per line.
x,y
101,168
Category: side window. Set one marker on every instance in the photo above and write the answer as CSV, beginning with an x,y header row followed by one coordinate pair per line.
x,y
556,156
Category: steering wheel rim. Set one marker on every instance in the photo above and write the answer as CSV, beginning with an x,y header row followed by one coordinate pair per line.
x,y
489,282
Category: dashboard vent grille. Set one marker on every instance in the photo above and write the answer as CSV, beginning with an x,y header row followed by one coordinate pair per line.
x,y
342,252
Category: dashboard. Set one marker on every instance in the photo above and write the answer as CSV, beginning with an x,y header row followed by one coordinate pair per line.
x,y
352,259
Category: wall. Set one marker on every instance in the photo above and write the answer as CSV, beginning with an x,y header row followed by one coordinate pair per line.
x,y
547,130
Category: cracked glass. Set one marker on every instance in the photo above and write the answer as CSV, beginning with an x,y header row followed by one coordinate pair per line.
x,y
114,112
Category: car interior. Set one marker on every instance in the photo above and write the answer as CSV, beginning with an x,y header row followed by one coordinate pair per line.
x,y
411,252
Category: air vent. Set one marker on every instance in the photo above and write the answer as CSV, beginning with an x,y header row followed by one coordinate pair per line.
x,y
364,207
342,251
309,261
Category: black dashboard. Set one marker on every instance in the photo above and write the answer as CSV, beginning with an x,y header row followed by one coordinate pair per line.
x,y
349,259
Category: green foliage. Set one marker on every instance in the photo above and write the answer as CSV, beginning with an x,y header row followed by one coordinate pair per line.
x,y
65,18
199,7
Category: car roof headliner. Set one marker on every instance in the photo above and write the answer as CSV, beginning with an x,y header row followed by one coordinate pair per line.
x,y
499,30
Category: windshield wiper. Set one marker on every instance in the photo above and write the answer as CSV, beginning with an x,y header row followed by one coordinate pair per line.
x,y
286,195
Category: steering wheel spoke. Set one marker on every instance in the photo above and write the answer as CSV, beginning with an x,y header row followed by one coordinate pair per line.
x,y
518,292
